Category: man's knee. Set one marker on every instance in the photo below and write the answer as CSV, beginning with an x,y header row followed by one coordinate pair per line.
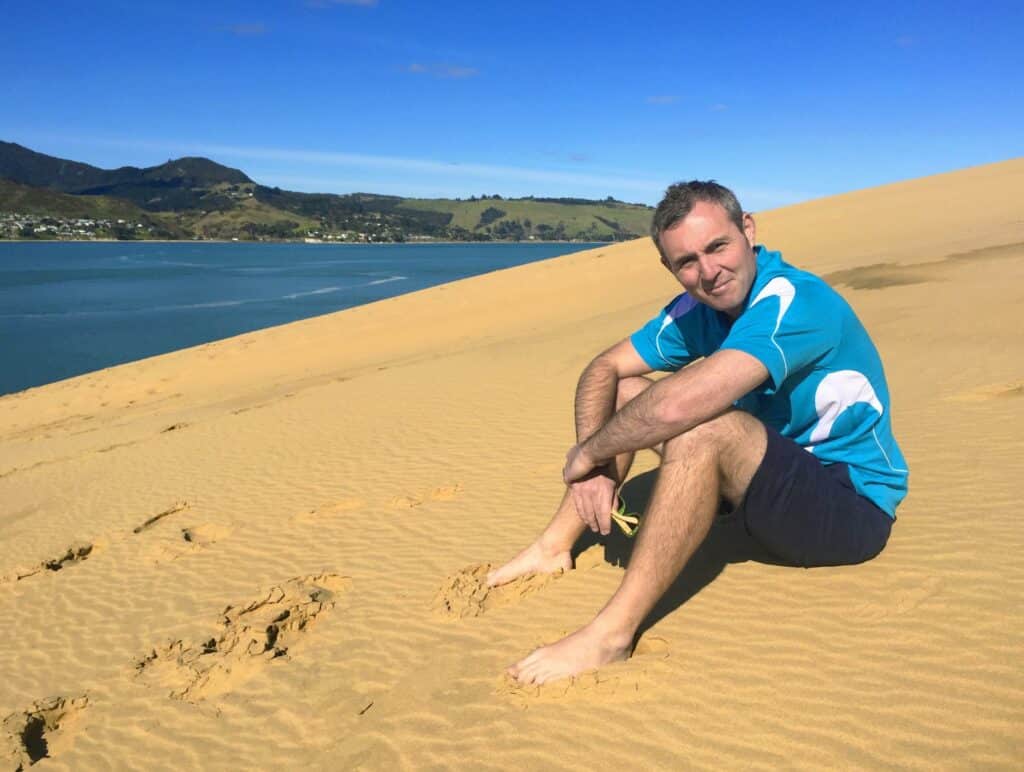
x,y
734,429
733,444
630,388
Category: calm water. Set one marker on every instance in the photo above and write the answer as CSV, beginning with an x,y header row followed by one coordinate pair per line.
x,y
68,308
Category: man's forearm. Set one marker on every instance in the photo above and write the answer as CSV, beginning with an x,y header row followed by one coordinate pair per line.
x,y
676,404
595,398
640,424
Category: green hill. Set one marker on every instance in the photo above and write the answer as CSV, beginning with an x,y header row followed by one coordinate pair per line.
x,y
49,204
523,218
199,198
19,164
175,185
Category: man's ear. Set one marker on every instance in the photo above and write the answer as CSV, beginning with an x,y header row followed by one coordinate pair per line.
x,y
749,228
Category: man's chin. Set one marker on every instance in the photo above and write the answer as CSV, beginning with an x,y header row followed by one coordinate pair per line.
x,y
724,306
717,302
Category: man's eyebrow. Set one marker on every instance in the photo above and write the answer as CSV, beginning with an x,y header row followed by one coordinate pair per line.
x,y
710,245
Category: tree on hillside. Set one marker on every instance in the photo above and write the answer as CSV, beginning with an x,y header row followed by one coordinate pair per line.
x,y
489,215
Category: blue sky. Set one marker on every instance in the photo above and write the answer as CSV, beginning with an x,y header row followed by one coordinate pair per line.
x,y
783,102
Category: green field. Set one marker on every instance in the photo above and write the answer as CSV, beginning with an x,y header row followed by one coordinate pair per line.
x,y
599,221
247,219
47,203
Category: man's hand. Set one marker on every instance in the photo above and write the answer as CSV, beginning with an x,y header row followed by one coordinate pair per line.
x,y
578,464
593,498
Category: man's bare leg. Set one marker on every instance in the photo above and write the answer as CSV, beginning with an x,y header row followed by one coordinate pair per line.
x,y
551,551
716,459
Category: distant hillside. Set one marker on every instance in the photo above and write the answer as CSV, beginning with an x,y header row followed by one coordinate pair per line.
x,y
181,184
47,204
186,183
19,164
199,198
554,219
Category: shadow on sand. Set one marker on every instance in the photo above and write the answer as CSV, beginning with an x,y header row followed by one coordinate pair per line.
x,y
727,542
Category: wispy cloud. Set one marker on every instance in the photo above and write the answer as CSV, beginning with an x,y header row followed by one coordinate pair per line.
x,y
494,174
442,70
663,99
718,107
328,171
562,155
248,30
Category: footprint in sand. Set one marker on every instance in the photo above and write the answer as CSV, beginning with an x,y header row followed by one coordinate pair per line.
x,y
466,594
164,544
73,555
413,500
40,732
205,534
178,506
246,639
339,508
188,541
592,686
651,646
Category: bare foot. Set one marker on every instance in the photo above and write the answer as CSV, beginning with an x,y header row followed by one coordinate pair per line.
x,y
532,560
586,649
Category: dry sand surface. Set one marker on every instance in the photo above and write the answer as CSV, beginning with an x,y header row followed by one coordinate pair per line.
x,y
264,552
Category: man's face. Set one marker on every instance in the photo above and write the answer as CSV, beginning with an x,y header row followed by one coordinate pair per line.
x,y
711,257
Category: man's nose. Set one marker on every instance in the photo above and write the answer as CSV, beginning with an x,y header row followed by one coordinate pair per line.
x,y
709,268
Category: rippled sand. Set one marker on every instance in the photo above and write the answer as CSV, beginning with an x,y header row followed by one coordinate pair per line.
x,y
266,551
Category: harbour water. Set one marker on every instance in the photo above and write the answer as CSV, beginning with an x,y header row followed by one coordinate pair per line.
x,y
70,308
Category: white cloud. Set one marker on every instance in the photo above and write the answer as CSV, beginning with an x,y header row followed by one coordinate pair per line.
x,y
450,169
442,70
453,71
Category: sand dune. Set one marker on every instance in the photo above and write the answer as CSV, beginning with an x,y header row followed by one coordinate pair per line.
x,y
264,552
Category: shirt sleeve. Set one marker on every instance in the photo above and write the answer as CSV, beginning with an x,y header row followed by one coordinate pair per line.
x,y
781,330
661,342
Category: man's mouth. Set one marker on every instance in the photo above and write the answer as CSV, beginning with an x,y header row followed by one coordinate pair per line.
x,y
719,289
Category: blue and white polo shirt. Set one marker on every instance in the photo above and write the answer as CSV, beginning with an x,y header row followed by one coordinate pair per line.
x,y
826,389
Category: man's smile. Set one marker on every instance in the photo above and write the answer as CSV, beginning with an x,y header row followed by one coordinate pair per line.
x,y
721,288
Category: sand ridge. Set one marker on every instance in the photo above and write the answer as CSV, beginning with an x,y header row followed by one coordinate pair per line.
x,y
159,519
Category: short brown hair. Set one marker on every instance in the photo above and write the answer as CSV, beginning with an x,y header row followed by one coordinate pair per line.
x,y
679,200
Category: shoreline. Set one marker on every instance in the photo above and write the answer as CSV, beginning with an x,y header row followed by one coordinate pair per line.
x,y
291,296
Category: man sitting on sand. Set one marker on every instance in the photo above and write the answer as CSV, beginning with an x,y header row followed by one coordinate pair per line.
x,y
783,416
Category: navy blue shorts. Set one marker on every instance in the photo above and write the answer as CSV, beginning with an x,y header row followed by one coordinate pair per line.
x,y
807,513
